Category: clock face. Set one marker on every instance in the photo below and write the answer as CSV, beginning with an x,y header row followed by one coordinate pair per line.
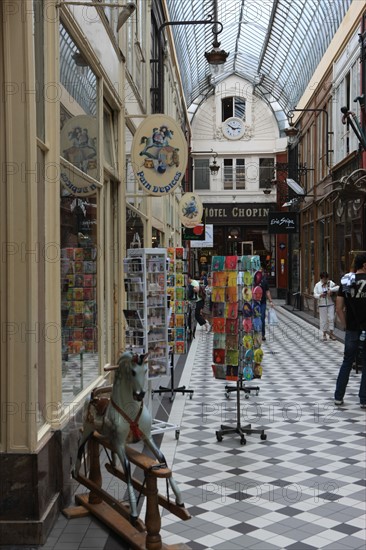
x,y
233,128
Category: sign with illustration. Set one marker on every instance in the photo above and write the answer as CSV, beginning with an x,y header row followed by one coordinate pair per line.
x,y
190,210
208,238
79,149
283,222
159,155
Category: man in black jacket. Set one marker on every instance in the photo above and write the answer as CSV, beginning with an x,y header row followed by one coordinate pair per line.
x,y
351,311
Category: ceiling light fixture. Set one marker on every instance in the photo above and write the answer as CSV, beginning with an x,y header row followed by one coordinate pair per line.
x,y
216,57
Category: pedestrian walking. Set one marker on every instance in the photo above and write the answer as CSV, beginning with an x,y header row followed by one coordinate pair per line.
x,y
261,280
324,291
351,311
196,294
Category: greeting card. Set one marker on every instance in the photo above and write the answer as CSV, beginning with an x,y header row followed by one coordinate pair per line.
x,y
218,356
218,294
218,263
231,294
219,278
231,311
218,324
218,309
231,326
231,262
231,278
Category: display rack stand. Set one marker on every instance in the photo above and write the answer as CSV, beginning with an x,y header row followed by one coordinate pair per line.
x,y
240,386
239,429
147,316
172,390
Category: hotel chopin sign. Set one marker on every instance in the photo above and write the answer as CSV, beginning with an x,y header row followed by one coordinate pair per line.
x,y
250,213
159,155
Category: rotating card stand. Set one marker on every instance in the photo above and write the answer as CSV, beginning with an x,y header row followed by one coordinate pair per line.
x,y
172,390
146,316
238,428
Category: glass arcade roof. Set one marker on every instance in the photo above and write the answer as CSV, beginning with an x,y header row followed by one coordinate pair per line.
x,y
275,44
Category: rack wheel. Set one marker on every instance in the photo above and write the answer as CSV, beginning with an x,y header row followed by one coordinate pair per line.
x,y
247,396
243,441
257,392
190,396
227,395
171,399
263,437
177,433
218,436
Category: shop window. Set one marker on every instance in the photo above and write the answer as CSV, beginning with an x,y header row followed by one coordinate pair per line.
x,y
201,174
232,107
110,141
234,174
134,229
78,219
79,254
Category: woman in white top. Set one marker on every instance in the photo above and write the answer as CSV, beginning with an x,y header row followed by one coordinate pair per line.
x,y
323,291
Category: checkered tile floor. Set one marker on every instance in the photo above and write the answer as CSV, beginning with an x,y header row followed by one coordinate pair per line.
x,y
303,488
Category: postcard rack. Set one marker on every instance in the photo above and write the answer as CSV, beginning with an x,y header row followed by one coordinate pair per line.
x,y
237,353
147,315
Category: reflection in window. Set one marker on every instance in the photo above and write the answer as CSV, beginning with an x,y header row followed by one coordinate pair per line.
x,y
110,153
78,215
233,106
134,229
78,292
79,128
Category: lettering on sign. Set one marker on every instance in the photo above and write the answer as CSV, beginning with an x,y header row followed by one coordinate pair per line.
x,y
282,222
237,212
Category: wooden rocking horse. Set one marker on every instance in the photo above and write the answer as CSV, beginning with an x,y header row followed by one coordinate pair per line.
x,y
122,419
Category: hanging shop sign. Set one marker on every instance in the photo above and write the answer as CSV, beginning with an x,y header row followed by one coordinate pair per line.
x,y
79,168
159,155
208,238
190,210
283,222
197,233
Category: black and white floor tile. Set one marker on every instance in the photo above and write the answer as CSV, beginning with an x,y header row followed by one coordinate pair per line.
x,y
303,488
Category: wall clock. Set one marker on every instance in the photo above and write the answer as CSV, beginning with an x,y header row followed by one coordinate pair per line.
x,y
233,128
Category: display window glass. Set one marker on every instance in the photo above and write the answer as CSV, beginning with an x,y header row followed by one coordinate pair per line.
x,y
80,176
79,255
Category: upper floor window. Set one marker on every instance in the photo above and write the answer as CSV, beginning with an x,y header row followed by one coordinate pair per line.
x,y
232,106
201,174
266,172
234,174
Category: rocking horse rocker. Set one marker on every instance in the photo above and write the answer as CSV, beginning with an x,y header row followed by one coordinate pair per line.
x,y
121,419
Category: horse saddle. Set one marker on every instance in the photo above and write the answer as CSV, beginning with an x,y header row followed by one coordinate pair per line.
x,y
100,404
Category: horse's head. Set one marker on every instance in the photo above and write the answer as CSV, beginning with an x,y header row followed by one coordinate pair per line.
x,y
132,369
